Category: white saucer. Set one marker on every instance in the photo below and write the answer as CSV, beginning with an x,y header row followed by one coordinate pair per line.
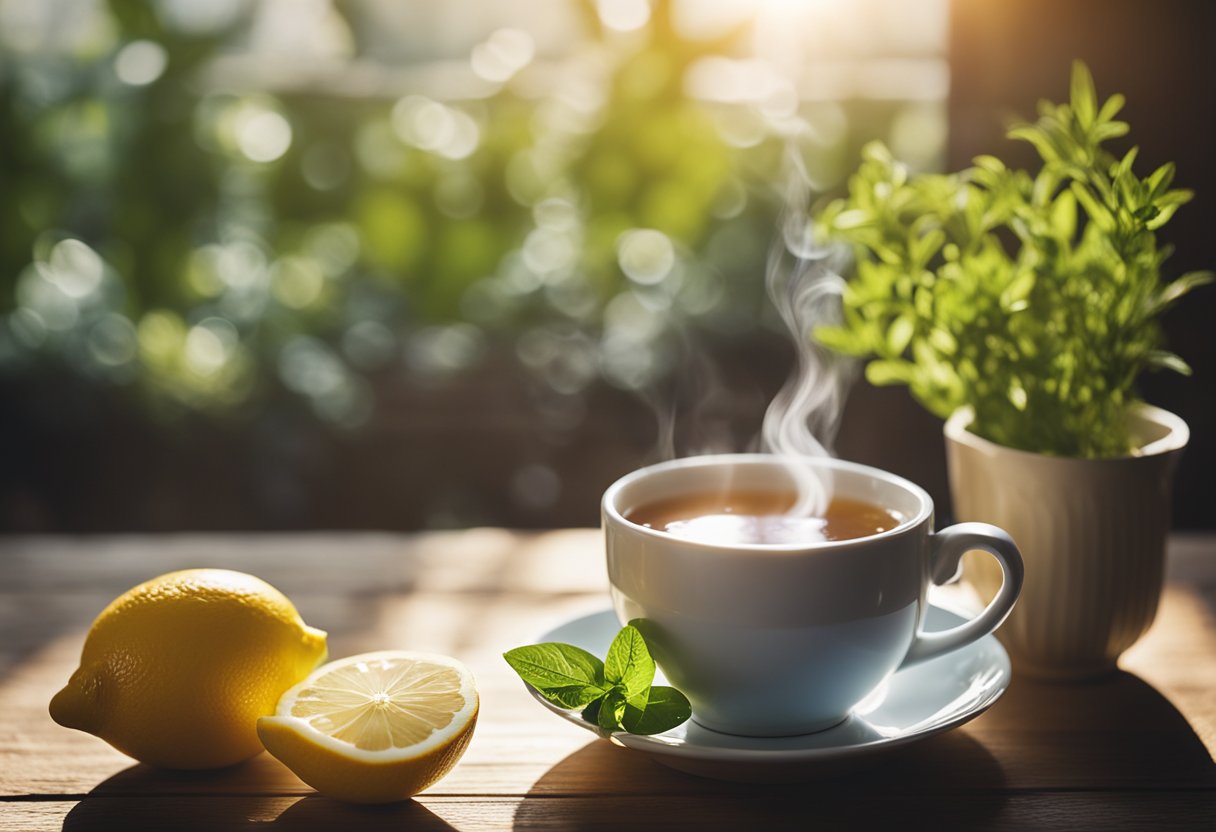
x,y
915,703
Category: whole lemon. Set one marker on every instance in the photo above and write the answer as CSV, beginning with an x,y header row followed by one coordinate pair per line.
x,y
176,671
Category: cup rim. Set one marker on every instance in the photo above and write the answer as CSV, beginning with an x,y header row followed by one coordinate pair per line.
x,y
610,511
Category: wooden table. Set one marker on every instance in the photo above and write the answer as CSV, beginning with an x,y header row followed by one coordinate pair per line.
x,y
1134,751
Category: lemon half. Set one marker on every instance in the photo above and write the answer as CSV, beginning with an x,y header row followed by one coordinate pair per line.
x,y
377,727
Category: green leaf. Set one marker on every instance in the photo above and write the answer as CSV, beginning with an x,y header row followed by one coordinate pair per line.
x,y
839,339
1181,286
923,249
1097,212
1037,138
1168,203
1160,359
1064,216
900,334
852,219
878,152
1084,99
665,709
1125,164
608,692
574,696
882,373
552,665
1111,130
1019,289
1160,180
1111,108
609,714
1175,198
942,341
629,665
989,163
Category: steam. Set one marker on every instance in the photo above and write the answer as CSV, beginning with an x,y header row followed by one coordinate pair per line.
x,y
696,410
804,285
801,422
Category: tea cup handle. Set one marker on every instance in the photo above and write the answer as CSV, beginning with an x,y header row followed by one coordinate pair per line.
x,y
947,548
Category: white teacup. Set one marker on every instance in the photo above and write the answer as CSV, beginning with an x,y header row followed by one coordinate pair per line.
x,y
778,640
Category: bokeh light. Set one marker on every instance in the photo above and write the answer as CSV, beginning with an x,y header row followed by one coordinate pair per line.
x,y
503,54
624,15
313,210
262,134
140,62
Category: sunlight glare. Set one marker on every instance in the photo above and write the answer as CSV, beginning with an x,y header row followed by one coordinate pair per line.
x,y
262,135
623,15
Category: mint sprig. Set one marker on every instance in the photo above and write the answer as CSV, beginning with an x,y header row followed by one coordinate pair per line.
x,y
616,694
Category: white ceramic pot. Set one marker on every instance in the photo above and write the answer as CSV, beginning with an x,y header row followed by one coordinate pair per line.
x,y
1091,532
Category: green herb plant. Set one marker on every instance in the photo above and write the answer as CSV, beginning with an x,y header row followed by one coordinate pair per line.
x,y
1032,299
615,694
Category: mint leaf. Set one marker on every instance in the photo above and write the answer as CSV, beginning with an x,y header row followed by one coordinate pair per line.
x,y
630,666
574,696
665,709
552,666
611,707
615,694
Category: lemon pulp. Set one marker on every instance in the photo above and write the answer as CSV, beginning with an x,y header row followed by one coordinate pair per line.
x,y
376,727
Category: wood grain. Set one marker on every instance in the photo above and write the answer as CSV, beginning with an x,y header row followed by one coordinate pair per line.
x,y
1132,751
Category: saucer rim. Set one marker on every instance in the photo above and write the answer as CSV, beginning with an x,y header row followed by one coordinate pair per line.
x,y
649,744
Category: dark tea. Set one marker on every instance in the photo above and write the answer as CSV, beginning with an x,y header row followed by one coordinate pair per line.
x,y
760,517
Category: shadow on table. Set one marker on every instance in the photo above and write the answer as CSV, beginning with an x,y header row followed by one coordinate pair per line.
x,y
144,798
1113,753
600,784
260,775
316,812
1116,731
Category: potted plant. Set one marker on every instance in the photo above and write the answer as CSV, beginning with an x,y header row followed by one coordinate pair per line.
x,y
1022,308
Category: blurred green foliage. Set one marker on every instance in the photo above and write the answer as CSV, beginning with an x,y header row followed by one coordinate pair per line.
x,y
1033,300
211,242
